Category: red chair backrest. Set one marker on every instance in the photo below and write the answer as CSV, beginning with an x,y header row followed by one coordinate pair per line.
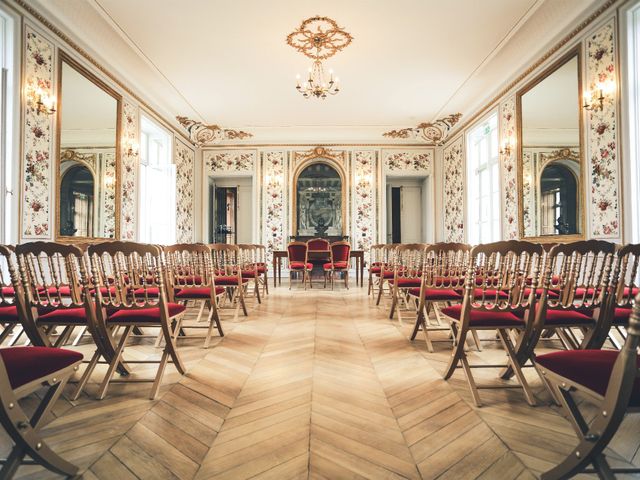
x,y
297,252
340,251
318,244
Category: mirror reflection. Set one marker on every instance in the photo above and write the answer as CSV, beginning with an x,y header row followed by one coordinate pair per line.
x,y
88,163
319,201
550,155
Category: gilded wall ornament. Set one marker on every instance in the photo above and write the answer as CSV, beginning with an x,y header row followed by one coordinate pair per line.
x,y
319,38
202,134
435,133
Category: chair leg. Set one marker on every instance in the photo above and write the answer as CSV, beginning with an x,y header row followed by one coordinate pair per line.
x,y
86,375
517,369
380,289
114,363
470,380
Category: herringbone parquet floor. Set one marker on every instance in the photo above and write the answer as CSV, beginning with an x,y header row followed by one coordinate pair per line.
x,y
314,384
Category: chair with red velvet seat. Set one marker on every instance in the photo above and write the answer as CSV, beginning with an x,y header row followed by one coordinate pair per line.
x,y
263,267
24,370
12,301
340,263
227,268
607,378
387,269
494,299
190,277
249,266
321,249
130,291
442,282
298,262
375,266
407,273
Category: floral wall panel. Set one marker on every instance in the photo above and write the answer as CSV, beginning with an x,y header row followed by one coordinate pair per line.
x,y
184,159
509,171
364,230
129,170
38,138
230,161
602,136
453,191
408,162
274,164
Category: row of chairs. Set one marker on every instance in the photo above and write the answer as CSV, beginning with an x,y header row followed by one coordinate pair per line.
x,y
299,262
581,293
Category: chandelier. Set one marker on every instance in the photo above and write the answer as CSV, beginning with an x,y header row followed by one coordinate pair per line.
x,y
318,38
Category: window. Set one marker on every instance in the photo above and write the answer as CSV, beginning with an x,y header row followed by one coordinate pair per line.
x,y
157,218
483,183
8,132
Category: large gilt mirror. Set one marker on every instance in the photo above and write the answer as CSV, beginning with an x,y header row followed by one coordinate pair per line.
x,y
88,155
319,201
550,166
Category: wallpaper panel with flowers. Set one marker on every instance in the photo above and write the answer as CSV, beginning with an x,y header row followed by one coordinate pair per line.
x,y
602,136
129,170
453,191
38,138
230,161
274,165
184,158
408,162
364,230
509,170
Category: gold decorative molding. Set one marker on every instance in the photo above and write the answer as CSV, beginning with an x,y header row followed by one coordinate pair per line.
x,y
202,134
434,133
563,153
319,38
319,152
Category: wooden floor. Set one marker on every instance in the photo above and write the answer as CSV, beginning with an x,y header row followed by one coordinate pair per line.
x,y
314,384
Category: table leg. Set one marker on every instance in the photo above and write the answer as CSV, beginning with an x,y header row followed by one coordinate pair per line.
x,y
279,270
362,271
275,272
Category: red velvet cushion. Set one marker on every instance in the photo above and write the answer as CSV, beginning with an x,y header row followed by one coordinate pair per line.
x,y
143,315
634,291
297,253
437,294
64,290
228,280
480,318
8,291
248,274
488,293
621,316
262,269
197,292
341,253
408,282
375,269
560,317
550,293
26,364
188,280
590,368
9,314
300,266
327,266
152,292
61,316
318,245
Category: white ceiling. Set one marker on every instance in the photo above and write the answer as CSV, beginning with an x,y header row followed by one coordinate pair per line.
x,y
227,62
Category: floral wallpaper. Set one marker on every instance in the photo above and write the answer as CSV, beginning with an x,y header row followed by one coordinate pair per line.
x,y
509,171
109,195
129,170
230,161
453,191
274,200
184,158
364,200
602,134
528,195
417,162
38,138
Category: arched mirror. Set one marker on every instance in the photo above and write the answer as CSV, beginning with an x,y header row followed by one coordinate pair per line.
x,y
550,163
319,201
88,148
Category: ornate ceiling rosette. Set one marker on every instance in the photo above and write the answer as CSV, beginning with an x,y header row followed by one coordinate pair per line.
x,y
319,38
435,133
202,134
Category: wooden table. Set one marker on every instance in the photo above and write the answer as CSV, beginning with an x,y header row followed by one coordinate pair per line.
x,y
278,255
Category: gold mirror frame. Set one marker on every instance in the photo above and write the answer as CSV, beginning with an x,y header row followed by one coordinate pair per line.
x,y
336,161
573,53
65,58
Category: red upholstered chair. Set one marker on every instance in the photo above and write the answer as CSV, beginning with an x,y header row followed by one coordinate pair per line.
x,y
263,268
318,245
249,266
190,278
12,301
23,370
375,266
387,269
340,263
496,299
227,268
322,252
297,258
130,291
610,380
407,273
442,283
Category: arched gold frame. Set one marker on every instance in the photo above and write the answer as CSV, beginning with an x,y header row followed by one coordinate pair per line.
x,y
335,160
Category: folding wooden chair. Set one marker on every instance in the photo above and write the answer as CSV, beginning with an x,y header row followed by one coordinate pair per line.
x,y
407,274
12,300
227,269
263,267
375,266
610,380
340,263
130,291
442,282
249,267
387,271
298,262
23,370
190,277
496,299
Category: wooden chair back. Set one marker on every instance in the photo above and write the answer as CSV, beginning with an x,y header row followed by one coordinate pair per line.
x,y
188,265
408,261
318,244
445,265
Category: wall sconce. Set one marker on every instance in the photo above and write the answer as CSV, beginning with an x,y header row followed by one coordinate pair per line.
x,y
604,89
506,147
131,148
44,104
363,180
273,181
